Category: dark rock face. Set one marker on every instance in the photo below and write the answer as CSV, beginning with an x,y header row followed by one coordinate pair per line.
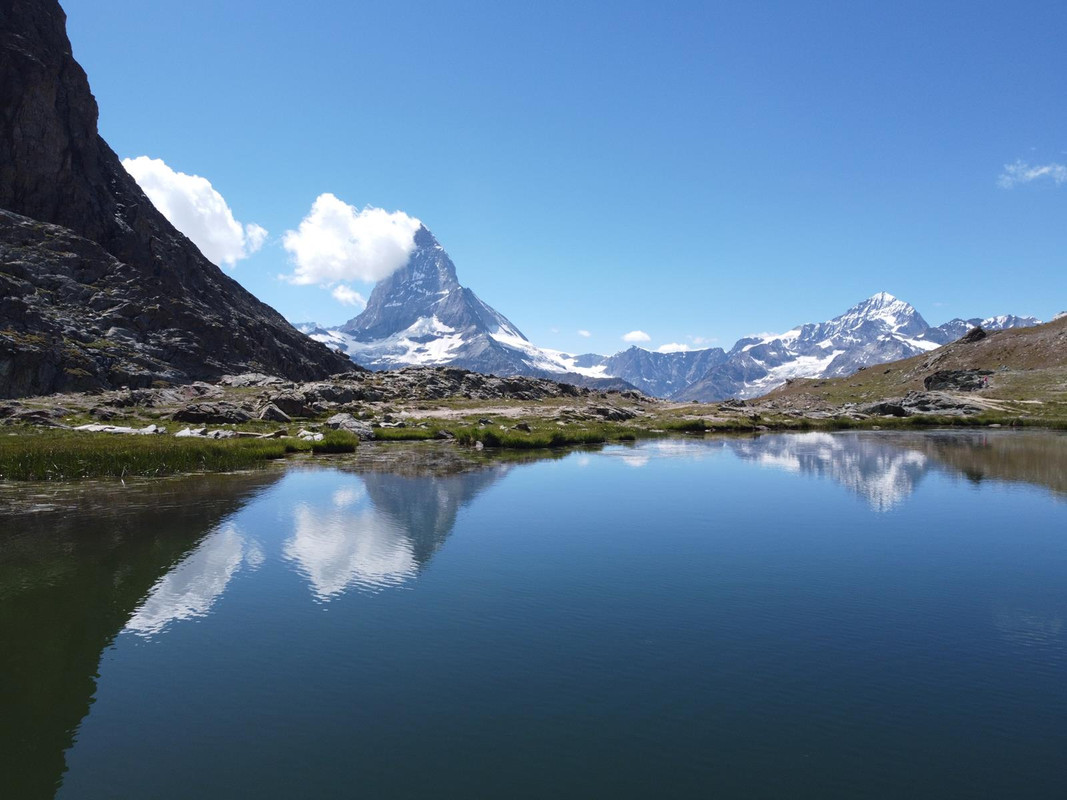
x,y
963,380
98,289
660,374
217,413
914,403
975,334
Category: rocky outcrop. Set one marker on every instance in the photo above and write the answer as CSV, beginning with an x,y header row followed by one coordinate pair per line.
x,y
962,380
97,288
919,403
975,334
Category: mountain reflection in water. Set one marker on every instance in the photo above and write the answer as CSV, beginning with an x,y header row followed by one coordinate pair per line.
x,y
886,468
161,557
377,530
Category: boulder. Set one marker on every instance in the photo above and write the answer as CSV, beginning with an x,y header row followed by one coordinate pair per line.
x,y
614,413
891,407
346,422
247,379
292,404
271,413
975,334
216,413
963,380
938,403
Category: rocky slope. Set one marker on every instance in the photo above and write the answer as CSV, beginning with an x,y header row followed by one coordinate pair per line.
x,y
1019,370
98,289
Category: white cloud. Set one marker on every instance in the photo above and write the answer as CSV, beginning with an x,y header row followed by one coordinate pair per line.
x,y
636,336
702,340
346,295
194,207
255,236
337,242
1022,172
673,347
584,334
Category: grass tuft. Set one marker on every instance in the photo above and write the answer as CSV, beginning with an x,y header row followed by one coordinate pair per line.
x,y
71,455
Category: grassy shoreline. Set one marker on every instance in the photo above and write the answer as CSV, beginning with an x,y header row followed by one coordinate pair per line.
x,y
36,454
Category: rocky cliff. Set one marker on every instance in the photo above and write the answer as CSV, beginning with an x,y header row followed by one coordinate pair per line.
x,y
97,288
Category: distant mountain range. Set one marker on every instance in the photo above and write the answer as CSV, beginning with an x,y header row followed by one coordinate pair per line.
x,y
421,315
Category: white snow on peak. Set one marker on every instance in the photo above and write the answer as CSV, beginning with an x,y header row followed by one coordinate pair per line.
x,y
544,358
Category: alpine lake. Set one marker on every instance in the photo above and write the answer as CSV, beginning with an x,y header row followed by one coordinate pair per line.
x,y
854,615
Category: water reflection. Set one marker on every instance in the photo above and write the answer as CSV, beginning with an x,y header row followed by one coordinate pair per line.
x,y
70,579
192,587
378,529
340,547
880,472
886,468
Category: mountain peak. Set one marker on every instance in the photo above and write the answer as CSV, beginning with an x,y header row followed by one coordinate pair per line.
x,y
887,311
425,293
881,299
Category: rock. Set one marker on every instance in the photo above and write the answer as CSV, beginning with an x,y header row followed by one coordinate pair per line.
x,y
191,432
271,413
938,403
148,430
522,426
250,379
292,404
103,412
217,413
443,434
975,334
41,417
346,422
964,380
893,407
309,436
614,413
95,256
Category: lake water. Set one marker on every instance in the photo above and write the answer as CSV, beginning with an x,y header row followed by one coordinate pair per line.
x,y
848,615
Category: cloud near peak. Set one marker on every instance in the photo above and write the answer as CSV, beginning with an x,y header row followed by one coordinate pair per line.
x,y
672,347
636,336
338,242
345,295
193,206
1022,172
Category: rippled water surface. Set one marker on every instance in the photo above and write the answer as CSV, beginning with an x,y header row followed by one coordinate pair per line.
x,y
814,615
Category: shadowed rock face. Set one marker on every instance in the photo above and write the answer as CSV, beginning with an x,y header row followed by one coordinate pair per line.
x,y
98,289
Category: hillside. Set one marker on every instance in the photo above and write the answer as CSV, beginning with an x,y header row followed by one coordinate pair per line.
x,y
1027,374
97,288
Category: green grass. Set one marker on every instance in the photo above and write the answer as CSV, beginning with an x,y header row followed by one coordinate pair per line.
x,y
69,455
334,442
542,436
404,434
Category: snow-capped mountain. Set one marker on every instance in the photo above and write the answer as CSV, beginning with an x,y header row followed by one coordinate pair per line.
x,y
879,329
955,328
421,315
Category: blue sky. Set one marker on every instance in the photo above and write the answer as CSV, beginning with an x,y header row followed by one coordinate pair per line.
x,y
696,171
